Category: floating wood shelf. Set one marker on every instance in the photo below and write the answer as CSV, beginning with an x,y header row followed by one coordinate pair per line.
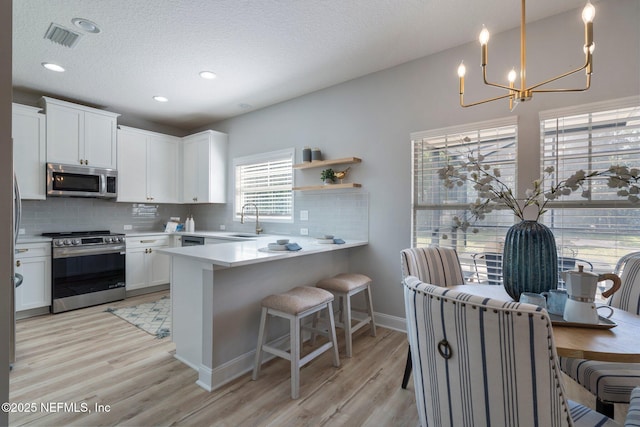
x,y
322,163
328,186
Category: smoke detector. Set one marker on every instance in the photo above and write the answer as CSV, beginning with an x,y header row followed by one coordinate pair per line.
x,y
62,36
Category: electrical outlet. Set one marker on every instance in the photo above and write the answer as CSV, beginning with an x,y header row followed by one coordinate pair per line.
x,y
304,215
304,231
128,227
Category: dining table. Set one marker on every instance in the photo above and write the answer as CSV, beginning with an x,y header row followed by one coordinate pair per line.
x,y
617,342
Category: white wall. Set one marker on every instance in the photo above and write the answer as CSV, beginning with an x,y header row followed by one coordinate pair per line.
x,y
372,117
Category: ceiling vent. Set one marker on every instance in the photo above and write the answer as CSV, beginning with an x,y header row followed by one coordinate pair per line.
x,y
63,36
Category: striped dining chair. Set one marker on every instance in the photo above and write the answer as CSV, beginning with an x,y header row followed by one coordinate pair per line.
x,y
435,265
483,362
612,382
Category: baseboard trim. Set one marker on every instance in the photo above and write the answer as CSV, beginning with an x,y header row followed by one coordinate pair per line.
x,y
147,290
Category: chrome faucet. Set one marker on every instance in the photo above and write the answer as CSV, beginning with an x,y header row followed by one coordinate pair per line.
x,y
258,228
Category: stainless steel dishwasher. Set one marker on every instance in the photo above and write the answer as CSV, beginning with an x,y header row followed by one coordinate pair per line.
x,y
192,240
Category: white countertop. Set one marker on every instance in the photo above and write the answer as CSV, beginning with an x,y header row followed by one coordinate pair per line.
x,y
24,238
246,252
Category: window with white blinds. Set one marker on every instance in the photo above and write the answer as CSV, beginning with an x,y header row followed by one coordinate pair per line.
x,y
434,206
603,227
265,180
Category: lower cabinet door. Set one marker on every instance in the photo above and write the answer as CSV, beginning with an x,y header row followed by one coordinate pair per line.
x,y
35,290
136,268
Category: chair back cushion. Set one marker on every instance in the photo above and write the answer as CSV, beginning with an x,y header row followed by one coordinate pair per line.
x,y
434,265
481,362
628,296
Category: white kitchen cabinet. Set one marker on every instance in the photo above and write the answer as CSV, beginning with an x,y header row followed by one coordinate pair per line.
x,y
33,261
29,151
205,167
80,135
145,266
148,167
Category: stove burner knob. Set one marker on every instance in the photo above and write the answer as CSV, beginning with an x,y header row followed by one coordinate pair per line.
x,y
119,239
67,242
109,239
75,242
59,243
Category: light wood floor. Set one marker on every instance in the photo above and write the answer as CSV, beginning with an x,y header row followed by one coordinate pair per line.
x,y
92,357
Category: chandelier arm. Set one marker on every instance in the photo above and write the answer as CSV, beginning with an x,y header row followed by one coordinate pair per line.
x,y
567,90
462,104
488,83
568,73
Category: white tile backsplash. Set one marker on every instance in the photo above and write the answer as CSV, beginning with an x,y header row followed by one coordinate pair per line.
x,y
343,213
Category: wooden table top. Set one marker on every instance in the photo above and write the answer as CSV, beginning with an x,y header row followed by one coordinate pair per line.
x,y
618,344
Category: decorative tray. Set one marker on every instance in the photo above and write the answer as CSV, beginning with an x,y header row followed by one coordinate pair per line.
x,y
603,322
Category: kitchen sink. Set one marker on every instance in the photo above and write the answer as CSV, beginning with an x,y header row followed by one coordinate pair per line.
x,y
244,235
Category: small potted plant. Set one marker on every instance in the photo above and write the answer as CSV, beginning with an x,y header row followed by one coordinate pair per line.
x,y
328,176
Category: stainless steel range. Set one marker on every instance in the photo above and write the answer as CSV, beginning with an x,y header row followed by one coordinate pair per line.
x,y
88,268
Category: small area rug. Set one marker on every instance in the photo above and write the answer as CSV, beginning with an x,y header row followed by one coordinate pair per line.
x,y
152,317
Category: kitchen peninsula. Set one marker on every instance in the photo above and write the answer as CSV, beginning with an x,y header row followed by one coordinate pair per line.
x,y
216,292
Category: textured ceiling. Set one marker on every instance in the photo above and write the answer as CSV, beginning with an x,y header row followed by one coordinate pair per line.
x,y
263,51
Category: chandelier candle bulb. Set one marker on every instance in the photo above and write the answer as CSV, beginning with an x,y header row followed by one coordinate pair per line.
x,y
524,92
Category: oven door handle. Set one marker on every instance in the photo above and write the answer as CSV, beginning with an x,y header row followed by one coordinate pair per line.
x,y
97,250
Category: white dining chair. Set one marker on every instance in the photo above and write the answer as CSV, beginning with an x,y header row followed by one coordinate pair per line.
x,y
612,382
484,362
436,265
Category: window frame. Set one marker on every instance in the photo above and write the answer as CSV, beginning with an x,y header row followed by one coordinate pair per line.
x,y
501,219
287,154
574,209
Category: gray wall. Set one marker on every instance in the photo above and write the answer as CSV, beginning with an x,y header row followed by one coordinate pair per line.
x,y
6,203
372,117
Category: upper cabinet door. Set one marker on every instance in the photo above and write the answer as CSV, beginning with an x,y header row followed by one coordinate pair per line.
x,y
100,140
163,180
79,135
64,134
132,166
204,167
29,151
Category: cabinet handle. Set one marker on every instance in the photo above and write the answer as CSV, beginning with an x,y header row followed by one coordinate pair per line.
x,y
147,241
150,250
19,251
86,162
146,251
195,199
18,263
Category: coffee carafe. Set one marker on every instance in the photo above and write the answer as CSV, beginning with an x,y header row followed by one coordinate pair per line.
x,y
581,288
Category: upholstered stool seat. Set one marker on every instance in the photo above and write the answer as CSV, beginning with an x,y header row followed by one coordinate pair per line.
x,y
295,305
344,286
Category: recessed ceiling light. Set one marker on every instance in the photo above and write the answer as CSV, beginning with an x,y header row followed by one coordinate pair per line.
x,y
86,25
161,99
53,67
209,75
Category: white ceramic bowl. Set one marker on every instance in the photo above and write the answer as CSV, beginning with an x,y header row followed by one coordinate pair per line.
x,y
282,241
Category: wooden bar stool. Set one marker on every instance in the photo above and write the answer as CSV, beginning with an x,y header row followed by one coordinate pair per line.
x,y
295,305
344,286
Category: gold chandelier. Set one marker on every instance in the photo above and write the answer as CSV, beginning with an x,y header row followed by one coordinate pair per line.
x,y
525,93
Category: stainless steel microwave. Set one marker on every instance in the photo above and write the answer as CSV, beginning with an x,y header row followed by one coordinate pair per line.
x,y
81,181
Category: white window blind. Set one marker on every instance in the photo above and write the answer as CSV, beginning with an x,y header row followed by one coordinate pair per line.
x,y
602,228
265,180
434,206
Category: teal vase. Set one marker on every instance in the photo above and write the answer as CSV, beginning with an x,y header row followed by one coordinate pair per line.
x,y
529,260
